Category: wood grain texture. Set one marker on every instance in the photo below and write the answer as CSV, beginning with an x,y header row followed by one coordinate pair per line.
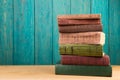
x,y
6,32
23,32
60,7
18,32
114,31
101,7
43,32
80,6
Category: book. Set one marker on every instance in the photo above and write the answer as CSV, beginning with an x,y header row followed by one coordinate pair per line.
x,y
80,28
83,60
82,38
81,50
80,16
83,70
81,21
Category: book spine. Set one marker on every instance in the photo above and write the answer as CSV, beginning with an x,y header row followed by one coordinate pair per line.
x,y
82,16
83,70
81,50
72,22
81,38
80,60
80,28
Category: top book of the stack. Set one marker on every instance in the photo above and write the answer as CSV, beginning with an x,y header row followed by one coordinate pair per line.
x,y
80,16
79,23
88,19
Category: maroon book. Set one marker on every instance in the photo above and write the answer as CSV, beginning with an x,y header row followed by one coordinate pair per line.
x,y
80,28
81,60
76,22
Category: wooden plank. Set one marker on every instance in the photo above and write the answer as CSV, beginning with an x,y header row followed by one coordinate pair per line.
x,y
60,7
80,6
101,7
23,32
114,33
6,32
43,32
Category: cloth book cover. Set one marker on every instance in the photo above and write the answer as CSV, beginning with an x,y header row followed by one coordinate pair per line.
x,y
81,50
83,70
80,28
82,38
81,43
83,60
80,16
78,21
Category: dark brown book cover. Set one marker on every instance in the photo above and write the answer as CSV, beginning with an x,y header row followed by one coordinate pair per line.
x,y
76,22
84,60
80,28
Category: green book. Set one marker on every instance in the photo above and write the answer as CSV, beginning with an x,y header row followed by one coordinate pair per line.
x,y
83,70
81,50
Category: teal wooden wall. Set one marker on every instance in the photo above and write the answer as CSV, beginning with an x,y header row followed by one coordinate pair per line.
x,y
29,31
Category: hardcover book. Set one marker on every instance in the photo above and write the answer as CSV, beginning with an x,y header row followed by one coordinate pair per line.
x,y
81,50
76,22
83,70
80,28
80,16
83,60
82,38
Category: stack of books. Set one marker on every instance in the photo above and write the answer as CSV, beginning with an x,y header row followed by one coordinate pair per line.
x,y
81,43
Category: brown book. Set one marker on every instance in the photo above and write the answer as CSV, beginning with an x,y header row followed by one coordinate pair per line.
x,y
80,16
80,28
77,22
82,38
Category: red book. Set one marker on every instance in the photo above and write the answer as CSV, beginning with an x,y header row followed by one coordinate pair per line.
x,y
83,60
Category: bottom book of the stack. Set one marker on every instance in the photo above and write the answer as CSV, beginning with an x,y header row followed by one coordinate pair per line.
x,y
83,70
